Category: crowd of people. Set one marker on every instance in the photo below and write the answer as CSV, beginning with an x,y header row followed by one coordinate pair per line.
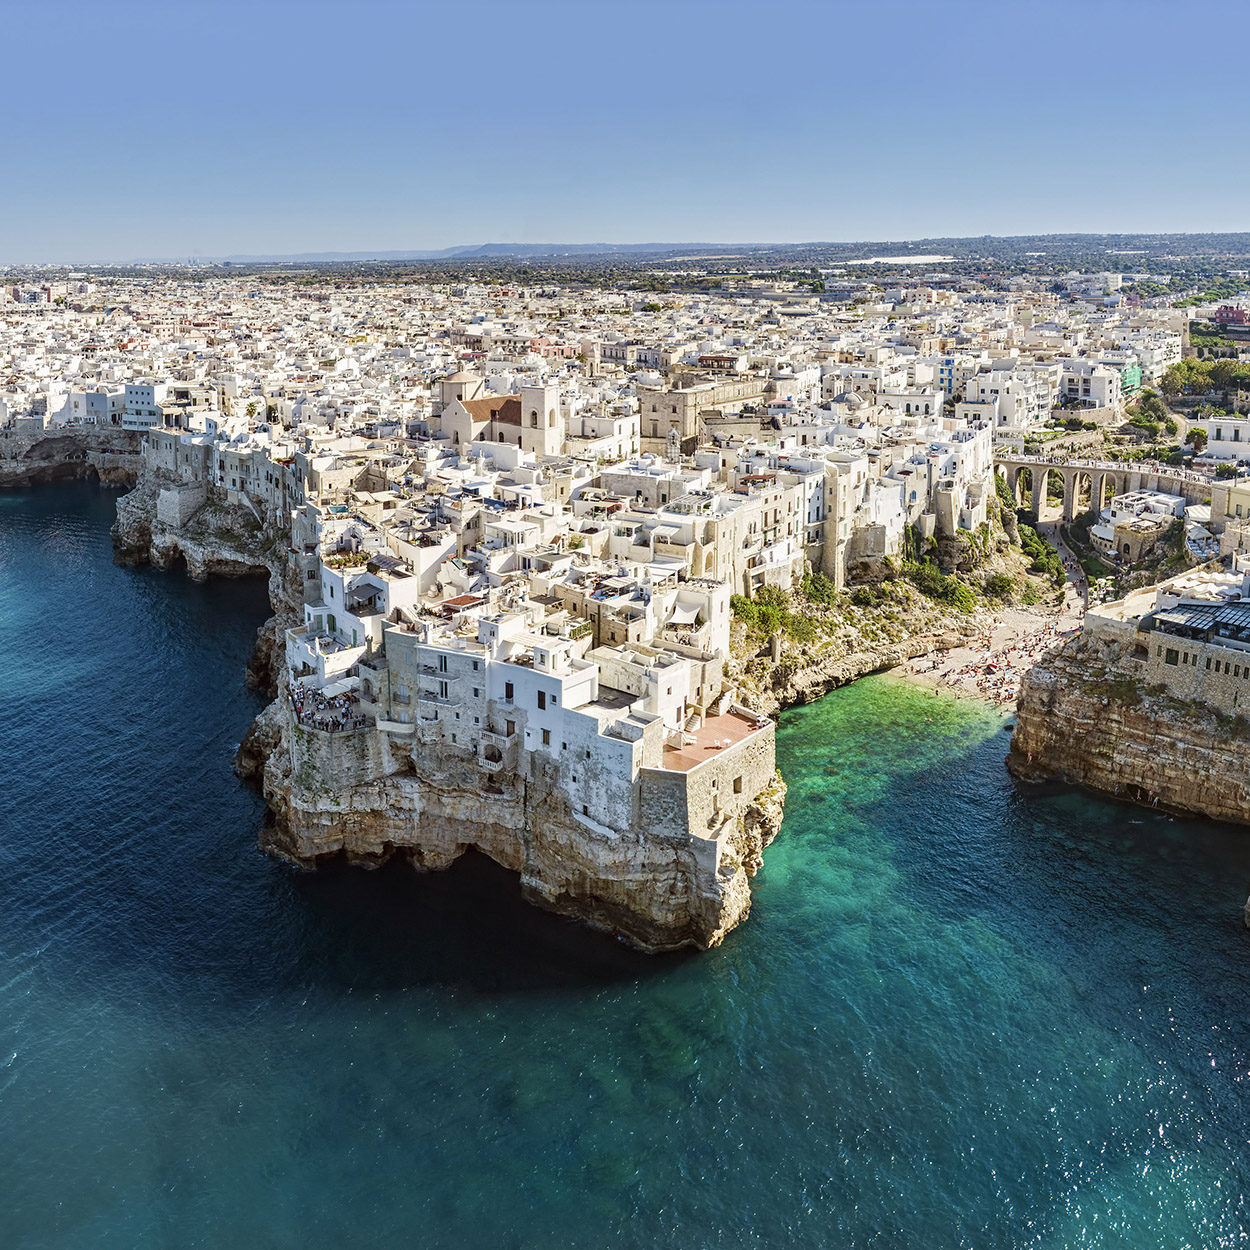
x,y
335,714
995,673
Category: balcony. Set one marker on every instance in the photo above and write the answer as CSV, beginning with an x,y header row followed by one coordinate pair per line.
x,y
428,670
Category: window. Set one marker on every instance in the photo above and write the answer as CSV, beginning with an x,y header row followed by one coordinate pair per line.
x,y
542,702
737,785
1172,657
475,666
507,691
546,737
477,693
442,663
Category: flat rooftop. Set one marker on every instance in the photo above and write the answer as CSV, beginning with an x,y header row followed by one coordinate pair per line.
x,y
718,734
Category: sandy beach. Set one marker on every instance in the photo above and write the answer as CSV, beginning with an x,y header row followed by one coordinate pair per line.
x,y
990,668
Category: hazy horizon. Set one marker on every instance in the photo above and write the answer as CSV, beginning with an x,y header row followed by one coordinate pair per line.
x,y
274,129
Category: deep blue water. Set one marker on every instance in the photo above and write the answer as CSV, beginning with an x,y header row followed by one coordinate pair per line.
x,y
962,1014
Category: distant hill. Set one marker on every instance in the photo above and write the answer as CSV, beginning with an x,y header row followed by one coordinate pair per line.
x,y
517,251
1026,253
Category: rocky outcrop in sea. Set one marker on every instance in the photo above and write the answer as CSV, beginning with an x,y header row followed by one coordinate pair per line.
x,y
1084,717
363,797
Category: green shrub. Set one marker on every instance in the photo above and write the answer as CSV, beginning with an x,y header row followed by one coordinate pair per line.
x,y
1045,559
999,586
820,589
932,582
868,596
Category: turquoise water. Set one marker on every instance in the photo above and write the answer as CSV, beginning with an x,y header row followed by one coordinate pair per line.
x,y
962,1014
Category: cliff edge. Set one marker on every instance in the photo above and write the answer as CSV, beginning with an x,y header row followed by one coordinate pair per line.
x,y
657,886
1087,715
70,453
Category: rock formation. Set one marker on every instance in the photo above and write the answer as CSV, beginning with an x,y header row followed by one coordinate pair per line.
x,y
1085,717
802,677
361,796
103,453
658,891
215,540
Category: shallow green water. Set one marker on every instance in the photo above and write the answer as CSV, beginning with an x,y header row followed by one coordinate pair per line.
x,y
961,1014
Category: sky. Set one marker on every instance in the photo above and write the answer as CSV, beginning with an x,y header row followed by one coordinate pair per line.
x,y
186,128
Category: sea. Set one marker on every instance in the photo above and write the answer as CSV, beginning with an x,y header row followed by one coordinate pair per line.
x,y
963,1013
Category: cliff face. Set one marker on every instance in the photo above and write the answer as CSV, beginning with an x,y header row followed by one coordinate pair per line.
x,y
104,453
429,805
1085,717
220,541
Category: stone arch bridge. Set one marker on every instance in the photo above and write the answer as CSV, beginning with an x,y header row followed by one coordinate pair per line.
x,y
1102,479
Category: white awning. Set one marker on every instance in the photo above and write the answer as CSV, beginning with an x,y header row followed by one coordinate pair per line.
x,y
336,688
684,614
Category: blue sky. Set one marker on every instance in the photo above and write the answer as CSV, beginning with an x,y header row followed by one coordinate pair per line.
x,y
187,128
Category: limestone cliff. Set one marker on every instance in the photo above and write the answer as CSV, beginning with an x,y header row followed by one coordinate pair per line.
x,y
655,890
100,453
1085,717
215,539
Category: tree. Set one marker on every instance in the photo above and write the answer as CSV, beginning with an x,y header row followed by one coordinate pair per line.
x,y
1222,372
251,409
1172,383
1197,438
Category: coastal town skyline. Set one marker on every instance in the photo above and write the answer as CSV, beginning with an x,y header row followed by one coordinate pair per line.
x,y
581,576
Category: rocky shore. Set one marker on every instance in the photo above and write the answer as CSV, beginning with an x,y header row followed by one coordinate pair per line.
x,y
70,453
396,799
657,890
220,541
1084,717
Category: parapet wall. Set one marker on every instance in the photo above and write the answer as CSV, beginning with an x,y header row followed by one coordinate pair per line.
x,y
703,798
1198,672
